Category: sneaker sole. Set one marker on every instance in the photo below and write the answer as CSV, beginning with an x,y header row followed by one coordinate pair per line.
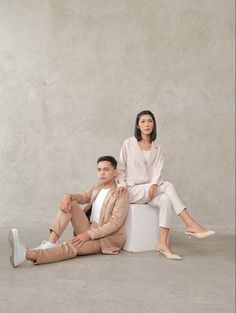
x,y
12,236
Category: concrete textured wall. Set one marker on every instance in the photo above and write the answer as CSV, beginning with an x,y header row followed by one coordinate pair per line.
x,y
73,75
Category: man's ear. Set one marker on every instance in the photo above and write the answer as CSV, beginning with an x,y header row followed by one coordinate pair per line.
x,y
115,172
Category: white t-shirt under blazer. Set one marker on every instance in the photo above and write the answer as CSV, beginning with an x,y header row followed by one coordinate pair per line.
x,y
146,156
97,205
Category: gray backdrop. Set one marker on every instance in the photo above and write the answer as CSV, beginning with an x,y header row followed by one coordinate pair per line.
x,y
73,76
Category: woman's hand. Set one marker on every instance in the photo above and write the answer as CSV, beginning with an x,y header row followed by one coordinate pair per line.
x,y
120,191
80,239
65,204
152,191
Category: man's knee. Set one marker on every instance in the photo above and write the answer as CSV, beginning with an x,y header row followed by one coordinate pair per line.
x,y
74,206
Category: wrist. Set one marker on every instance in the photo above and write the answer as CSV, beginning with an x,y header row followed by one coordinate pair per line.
x,y
88,236
70,196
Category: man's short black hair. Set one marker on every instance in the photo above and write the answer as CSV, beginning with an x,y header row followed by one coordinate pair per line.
x,y
108,158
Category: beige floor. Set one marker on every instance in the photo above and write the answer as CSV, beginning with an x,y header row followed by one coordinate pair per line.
x,y
203,282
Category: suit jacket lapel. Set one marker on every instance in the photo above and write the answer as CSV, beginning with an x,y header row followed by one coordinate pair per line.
x,y
95,193
139,153
93,197
153,154
103,209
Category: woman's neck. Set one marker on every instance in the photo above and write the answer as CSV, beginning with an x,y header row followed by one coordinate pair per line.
x,y
146,139
145,142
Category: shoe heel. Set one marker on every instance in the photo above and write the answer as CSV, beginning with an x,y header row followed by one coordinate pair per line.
x,y
158,252
188,234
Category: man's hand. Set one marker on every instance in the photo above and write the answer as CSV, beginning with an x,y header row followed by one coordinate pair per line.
x,y
65,204
152,191
80,239
120,191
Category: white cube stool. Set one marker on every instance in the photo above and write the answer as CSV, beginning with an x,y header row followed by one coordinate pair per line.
x,y
141,226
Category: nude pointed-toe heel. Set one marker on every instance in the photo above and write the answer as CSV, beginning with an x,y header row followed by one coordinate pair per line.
x,y
201,235
168,255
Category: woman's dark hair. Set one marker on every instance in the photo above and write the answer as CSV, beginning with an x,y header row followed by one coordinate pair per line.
x,y
108,158
137,132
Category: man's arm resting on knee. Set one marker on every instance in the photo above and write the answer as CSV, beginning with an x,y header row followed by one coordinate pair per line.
x,y
81,198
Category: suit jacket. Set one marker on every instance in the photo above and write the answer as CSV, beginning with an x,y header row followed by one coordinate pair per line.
x,y
110,229
131,167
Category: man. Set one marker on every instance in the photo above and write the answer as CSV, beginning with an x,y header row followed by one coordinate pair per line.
x,y
104,232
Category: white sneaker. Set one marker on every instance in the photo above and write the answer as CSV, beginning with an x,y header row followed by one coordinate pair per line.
x,y
17,248
46,245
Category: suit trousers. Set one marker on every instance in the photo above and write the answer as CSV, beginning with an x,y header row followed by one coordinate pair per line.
x,y
66,250
166,200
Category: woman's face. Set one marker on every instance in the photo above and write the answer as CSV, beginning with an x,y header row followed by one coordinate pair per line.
x,y
146,125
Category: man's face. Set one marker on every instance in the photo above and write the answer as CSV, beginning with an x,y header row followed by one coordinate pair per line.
x,y
106,172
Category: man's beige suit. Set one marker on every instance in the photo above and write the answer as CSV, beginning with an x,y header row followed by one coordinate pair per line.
x,y
108,236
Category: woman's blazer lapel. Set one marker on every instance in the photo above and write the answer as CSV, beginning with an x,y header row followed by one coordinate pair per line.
x,y
153,154
138,153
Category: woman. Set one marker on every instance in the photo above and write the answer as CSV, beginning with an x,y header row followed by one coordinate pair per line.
x,y
139,170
